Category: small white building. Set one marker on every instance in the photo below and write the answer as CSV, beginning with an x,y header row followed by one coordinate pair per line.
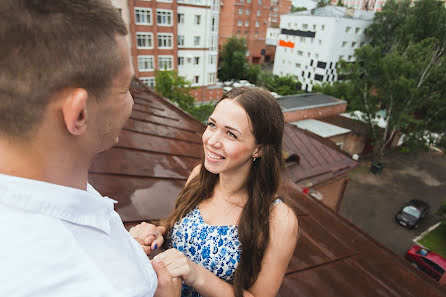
x,y
197,36
312,42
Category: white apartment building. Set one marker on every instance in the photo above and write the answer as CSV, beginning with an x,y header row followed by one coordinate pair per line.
x,y
312,42
370,5
197,37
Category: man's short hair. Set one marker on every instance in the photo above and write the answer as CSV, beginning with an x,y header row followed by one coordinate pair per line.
x,y
49,45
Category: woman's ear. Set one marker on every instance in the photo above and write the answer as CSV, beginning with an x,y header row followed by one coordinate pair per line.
x,y
75,111
258,152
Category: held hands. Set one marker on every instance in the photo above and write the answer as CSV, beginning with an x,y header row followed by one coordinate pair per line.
x,y
168,286
179,265
148,236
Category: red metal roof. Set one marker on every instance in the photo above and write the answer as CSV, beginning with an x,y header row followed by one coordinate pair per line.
x,y
159,146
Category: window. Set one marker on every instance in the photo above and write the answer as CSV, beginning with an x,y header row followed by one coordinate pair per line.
x,y
143,16
246,23
180,17
239,23
197,19
144,40
165,40
344,43
323,27
258,13
165,62
180,40
300,53
212,77
357,30
305,26
298,65
149,81
353,44
240,11
196,40
259,2
196,79
361,44
164,17
145,63
320,42
257,24
347,29
196,60
212,59
256,34
214,24
341,57
248,1
314,27
247,11
180,61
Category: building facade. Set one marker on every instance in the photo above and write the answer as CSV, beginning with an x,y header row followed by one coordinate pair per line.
x,y
312,42
369,5
175,35
198,22
245,19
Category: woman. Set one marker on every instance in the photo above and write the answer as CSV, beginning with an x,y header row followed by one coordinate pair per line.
x,y
229,225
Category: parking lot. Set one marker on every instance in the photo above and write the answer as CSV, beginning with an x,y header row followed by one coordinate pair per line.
x,y
371,201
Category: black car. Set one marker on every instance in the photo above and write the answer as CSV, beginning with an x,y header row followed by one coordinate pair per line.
x,y
411,213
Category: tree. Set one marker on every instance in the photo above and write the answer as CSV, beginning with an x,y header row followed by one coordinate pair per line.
x,y
177,89
297,8
322,3
233,59
282,85
252,72
400,73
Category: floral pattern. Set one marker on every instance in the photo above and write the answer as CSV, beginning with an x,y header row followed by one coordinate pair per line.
x,y
217,248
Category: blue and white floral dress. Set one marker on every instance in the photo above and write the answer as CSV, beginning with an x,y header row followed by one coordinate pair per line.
x,y
216,248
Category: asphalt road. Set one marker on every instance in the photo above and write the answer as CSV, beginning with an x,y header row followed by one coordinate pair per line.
x,y
371,201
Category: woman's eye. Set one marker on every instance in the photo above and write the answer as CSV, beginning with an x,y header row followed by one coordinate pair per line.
x,y
232,135
210,124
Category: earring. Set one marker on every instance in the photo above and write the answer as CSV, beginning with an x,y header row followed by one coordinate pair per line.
x,y
254,159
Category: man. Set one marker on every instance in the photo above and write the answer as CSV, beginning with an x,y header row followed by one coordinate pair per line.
x,y
65,74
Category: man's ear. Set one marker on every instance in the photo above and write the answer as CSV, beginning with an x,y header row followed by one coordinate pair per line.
x,y
75,111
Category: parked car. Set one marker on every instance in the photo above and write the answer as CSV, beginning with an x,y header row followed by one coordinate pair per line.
x,y
411,213
431,263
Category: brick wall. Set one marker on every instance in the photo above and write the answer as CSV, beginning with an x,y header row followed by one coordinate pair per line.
x,y
314,113
205,94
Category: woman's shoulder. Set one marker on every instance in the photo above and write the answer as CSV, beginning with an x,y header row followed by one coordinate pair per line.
x,y
193,173
283,217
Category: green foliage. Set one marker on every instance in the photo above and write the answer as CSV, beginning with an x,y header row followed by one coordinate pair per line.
x,y
233,59
285,85
202,112
177,89
252,72
322,3
401,71
297,8
340,3
436,240
441,211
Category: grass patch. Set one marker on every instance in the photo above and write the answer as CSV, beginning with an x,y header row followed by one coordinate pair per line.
x,y
436,240
362,168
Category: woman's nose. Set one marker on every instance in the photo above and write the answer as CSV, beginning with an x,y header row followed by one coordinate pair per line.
x,y
214,139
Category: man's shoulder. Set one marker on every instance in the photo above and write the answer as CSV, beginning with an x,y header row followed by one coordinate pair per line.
x,y
38,252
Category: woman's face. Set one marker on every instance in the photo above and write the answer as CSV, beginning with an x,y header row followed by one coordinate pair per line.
x,y
228,142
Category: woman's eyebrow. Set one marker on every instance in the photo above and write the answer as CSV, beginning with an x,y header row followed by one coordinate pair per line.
x,y
227,127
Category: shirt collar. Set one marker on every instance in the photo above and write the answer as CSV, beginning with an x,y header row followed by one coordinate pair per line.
x,y
80,207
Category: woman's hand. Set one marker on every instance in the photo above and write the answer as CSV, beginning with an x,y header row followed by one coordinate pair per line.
x,y
179,265
148,236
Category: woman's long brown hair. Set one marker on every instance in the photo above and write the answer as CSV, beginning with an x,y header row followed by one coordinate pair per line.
x,y
266,122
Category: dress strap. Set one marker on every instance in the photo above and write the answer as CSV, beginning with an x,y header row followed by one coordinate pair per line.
x,y
275,202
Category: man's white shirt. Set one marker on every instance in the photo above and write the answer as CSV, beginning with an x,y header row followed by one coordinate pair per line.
x,y
61,241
